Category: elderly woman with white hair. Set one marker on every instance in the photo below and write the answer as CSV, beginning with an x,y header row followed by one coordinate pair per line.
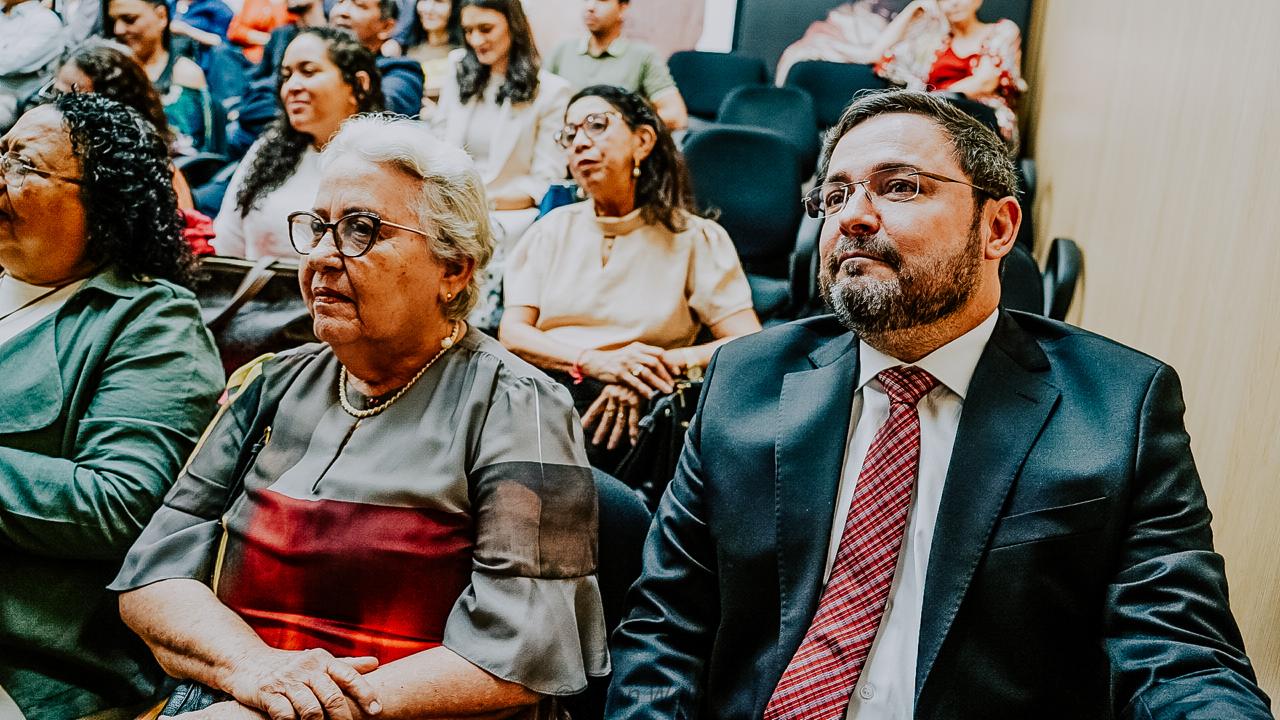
x,y
400,520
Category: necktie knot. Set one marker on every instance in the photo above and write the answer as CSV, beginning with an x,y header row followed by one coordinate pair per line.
x,y
906,384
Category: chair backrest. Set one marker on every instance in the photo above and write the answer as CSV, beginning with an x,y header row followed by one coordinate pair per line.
x,y
832,86
752,177
1062,270
785,110
1020,282
705,78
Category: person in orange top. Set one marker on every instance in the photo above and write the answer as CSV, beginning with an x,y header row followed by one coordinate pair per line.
x,y
251,27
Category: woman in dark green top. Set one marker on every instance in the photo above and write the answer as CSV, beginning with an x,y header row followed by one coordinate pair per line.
x,y
107,377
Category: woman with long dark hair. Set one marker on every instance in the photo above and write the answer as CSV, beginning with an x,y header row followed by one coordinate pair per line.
x,y
648,274
504,110
326,77
108,68
436,32
143,25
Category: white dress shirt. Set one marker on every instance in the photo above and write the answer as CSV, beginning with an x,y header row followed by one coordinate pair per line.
x,y
22,305
886,689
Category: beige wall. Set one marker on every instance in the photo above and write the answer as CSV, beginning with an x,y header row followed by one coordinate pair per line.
x,y
1156,127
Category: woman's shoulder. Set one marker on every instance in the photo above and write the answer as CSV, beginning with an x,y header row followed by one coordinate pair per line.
x,y
508,374
187,74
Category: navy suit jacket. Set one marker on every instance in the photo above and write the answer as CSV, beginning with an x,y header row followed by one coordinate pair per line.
x,y
1072,573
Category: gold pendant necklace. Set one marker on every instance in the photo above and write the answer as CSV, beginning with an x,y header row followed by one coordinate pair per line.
x,y
351,410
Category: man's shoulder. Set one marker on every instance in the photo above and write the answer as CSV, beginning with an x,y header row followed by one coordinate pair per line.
x,y
1061,342
783,345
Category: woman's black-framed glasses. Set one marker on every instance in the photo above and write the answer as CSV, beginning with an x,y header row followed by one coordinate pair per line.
x,y
593,125
15,170
353,234
897,185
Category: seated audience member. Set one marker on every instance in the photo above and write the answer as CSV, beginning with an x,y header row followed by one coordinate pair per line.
x,y
326,77
848,34
143,25
647,274
504,110
606,58
941,46
106,67
251,27
924,506
108,379
435,33
31,43
205,21
401,77
407,459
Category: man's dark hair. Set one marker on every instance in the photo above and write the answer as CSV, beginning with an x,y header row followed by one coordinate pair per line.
x,y
131,212
523,61
981,153
389,9
282,145
664,192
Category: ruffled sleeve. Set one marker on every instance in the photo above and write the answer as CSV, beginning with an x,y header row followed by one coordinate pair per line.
x,y
182,537
532,614
717,285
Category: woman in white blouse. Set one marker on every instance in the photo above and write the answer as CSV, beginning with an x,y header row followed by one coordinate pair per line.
x,y
326,76
504,110
647,275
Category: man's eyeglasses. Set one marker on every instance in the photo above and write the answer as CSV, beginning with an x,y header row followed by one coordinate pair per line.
x,y
593,125
353,234
15,170
895,185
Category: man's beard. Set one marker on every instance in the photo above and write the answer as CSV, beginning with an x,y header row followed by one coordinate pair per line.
x,y
918,295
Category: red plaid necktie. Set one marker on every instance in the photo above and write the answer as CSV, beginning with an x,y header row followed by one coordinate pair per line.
x,y
820,679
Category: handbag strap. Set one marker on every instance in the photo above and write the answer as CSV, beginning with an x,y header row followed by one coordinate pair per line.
x,y
252,284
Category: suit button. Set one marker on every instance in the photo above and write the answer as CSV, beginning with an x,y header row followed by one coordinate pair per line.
x,y
867,692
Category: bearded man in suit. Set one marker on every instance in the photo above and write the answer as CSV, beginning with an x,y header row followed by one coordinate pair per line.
x,y
925,506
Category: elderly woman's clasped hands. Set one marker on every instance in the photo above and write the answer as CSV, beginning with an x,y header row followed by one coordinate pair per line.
x,y
306,684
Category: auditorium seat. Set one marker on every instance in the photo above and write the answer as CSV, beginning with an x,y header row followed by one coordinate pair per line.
x,y
832,86
787,111
751,176
705,78
1063,268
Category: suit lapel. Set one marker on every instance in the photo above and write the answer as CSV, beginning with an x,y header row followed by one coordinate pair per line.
x,y
1005,409
813,427
505,137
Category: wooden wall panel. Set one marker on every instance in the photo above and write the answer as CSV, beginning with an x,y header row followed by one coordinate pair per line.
x,y
1156,128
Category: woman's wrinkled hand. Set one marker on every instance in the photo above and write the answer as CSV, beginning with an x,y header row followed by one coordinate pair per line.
x,y
229,710
614,414
637,366
306,684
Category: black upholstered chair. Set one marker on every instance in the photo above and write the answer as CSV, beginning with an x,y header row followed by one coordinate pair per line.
x,y
832,86
787,111
1063,268
706,78
752,177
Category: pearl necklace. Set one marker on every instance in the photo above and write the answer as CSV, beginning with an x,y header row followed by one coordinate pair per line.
x,y
362,414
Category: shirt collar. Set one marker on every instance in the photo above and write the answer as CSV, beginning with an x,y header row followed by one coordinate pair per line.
x,y
616,48
952,364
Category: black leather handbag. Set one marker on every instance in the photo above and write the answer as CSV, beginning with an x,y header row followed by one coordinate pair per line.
x,y
652,461
252,308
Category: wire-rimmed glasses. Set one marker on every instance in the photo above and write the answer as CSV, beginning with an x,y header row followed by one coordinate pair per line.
x,y
353,234
16,169
593,125
896,184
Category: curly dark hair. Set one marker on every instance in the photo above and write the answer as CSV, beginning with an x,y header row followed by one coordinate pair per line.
x,y
523,61
664,192
131,212
116,74
418,34
282,145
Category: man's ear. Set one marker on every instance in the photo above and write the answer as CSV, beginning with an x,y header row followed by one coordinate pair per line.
x,y
387,26
364,81
1001,218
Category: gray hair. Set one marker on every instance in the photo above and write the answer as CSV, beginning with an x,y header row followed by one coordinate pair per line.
x,y
452,201
981,153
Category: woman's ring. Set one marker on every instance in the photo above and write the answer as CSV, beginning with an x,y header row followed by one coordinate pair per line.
x,y
636,370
